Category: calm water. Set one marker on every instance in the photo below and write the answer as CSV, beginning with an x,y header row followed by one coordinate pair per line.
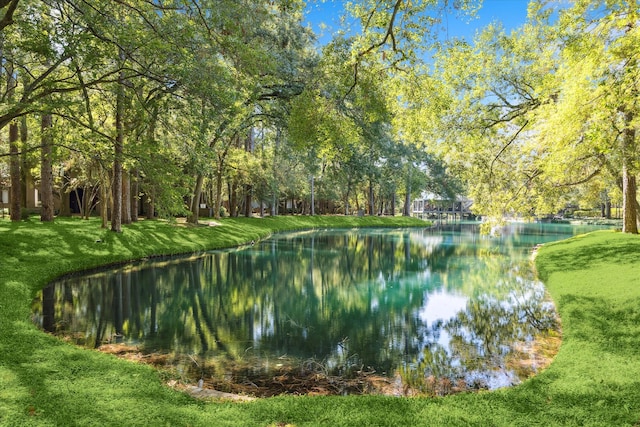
x,y
410,304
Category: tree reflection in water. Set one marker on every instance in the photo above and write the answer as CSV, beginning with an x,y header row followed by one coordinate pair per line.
x,y
349,302
487,345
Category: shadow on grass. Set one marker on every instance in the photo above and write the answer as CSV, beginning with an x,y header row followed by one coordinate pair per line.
x,y
57,384
603,404
596,249
615,328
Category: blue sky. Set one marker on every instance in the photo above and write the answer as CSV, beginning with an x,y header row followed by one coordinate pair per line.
x,y
512,14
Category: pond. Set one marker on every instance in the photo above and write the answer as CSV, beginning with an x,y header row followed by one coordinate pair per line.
x,y
397,311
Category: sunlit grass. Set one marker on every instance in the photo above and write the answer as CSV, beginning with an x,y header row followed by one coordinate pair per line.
x,y
593,381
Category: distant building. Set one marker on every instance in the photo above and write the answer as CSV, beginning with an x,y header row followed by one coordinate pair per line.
x,y
431,206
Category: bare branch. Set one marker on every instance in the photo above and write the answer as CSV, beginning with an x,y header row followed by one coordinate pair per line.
x,y
7,19
389,34
513,138
580,181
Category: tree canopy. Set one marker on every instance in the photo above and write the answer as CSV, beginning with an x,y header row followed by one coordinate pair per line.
x,y
185,107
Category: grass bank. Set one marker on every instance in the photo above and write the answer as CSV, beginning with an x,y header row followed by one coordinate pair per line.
x,y
594,380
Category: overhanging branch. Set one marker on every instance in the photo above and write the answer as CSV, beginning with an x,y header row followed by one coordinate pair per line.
x,y
7,19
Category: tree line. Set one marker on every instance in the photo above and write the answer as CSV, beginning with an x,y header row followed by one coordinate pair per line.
x,y
231,105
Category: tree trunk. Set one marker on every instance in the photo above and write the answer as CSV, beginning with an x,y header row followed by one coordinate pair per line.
x,y
25,167
406,210
14,172
346,198
629,212
104,202
46,169
393,203
275,187
65,196
151,207
219,181
116,189
135,192
195,202
14,150
233,199
313,197
218,196
248,188
85,203
371,199
126,198
248,201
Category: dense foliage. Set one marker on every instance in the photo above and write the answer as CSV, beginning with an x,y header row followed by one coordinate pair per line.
x,y
183,107
546,116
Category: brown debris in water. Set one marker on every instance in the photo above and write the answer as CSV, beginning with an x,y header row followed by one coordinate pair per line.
x,y
306,380
245,381
133,353
297,381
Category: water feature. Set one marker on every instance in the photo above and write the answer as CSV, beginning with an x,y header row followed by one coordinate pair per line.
x,y
433,310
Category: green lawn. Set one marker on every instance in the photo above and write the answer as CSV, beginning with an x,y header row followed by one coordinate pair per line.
x,y
594,380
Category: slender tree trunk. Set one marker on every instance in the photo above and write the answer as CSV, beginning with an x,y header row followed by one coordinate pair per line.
x,y
65,197
219,183
14,172
629,188
406,210
218,196
248,200
14,150
126,198
248,188
393,203
629,210
151,206
85,203
607,209
135,192
104,202
195,202
233,199
25,167
346,197
371,199
313,197
275,187
116,189
149,190
46,169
